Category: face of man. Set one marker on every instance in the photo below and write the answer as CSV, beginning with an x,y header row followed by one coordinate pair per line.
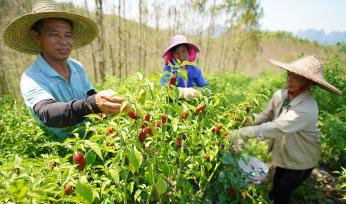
x,y
55,39
296,83
181,53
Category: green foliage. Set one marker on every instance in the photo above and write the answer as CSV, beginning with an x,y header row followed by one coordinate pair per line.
x,y
19,134
181,159
332,108
341,184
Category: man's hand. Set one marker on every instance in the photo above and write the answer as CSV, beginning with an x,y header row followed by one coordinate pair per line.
x,y
189,93
107,103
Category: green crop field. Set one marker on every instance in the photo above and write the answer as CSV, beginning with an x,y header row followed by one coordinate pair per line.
x,y
173,151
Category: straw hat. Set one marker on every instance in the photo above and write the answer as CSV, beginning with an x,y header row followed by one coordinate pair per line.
x,y
18,33
178,40
309,67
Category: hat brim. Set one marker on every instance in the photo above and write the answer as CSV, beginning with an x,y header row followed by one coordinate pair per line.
x,y
320,82
19,37
190,45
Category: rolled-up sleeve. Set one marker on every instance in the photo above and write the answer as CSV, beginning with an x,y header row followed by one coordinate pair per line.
x,y
32,92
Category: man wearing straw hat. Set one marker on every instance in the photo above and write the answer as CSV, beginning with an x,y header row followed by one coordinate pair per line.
x,y
55,87
290,121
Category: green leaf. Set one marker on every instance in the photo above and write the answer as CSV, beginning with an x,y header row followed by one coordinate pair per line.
x,y
140,76
175,123
141,96
114,173
149,174
84,191
161,186
18,190
187,63
94,116
165,169
184,74
227,158
166,73
94,146
123,105
137,195
90,157
130,187
105,185
67,174
135,158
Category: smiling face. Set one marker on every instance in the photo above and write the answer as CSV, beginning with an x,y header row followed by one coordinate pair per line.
x,y
55,39
181,52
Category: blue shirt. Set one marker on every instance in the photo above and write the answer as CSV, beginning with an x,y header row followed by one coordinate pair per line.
x,y
194,77
40,82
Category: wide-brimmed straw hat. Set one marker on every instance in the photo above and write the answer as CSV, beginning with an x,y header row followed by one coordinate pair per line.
x,y
179,40
311,68
18,33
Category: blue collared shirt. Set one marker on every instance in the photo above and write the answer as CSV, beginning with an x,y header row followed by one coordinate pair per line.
x,y
40,82
194,77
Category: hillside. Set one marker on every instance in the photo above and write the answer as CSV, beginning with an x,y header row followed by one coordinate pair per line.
x,y
125,55
282,46
322,37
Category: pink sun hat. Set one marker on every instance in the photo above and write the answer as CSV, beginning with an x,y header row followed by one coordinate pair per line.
x,y
178,40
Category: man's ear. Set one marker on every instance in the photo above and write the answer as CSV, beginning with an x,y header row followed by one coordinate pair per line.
x,y
35,36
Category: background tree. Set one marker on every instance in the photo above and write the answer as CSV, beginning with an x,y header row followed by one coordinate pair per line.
x,y
93,51
101,40
227,32
210,31
200,7
245,34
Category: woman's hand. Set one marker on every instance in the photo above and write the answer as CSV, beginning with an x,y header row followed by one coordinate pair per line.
x,y
189,93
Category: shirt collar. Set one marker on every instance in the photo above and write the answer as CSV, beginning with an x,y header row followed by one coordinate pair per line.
x,y
301,97
48,70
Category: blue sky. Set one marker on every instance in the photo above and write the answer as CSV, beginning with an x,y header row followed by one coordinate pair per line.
x,y
295,15
286,15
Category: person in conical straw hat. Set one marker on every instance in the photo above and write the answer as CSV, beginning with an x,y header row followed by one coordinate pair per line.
x,y
55,87
289,121
181,51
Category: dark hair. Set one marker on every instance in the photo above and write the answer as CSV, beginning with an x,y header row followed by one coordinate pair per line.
x,y
175,47
39,24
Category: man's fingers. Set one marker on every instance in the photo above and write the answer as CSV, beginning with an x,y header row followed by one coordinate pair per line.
x,y
111,108
114,99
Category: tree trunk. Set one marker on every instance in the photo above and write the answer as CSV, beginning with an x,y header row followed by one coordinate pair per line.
x,y
120,65
157,7
126,41
92,49
140,34
101,40
223,54
3,82
4,89
170,29
175,27
145,37
111,56
210,31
